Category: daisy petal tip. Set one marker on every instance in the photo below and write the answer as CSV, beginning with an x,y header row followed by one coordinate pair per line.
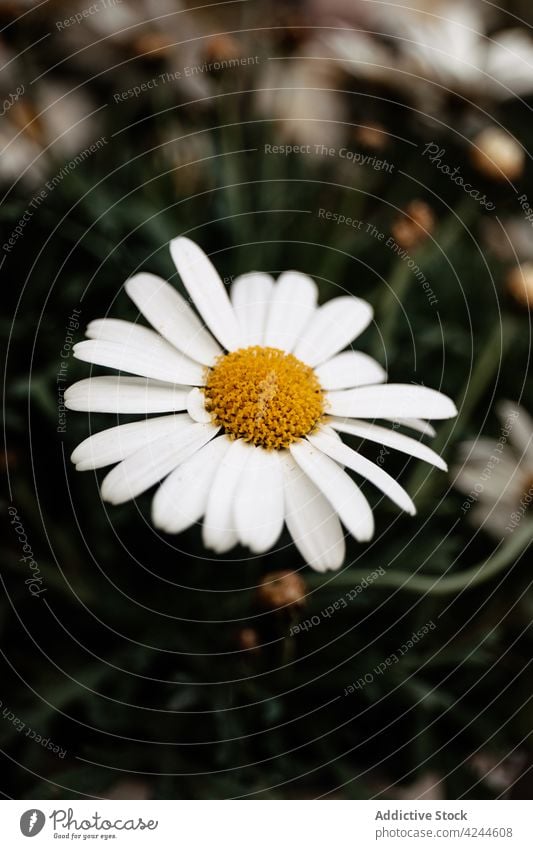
x,y
158,523
331,565
196,406
182,247
83,466
448,410
131,285
366,534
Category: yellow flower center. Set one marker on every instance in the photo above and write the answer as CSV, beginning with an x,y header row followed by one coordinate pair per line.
x,y
264,396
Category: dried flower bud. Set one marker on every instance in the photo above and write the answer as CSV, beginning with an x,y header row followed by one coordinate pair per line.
x,y
248,639
25,115
497,155
281,589
519,284
221,48
414,225
151,45
373,136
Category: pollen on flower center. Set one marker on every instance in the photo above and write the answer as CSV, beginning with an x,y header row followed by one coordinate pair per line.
x,y
264,396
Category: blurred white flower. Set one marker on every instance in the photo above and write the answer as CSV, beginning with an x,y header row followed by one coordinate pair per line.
x,y
434,50
497,475
120,40
265,396
300,95
47,124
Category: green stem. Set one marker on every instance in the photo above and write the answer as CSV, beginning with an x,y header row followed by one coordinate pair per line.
x,y
438,585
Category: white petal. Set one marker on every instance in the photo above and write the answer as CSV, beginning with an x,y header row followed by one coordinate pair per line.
x,y
121,394
509,63
332,327
250,296
339,489
219,530
390,438
116,443
206,290
181,499
172,317
258,506
292,306
345,455
393,399
153,462
312,522
520,426
117,330
351,368
196,406
155,358
414,424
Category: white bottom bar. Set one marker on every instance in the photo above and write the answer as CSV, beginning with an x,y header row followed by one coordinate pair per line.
x,y
267,824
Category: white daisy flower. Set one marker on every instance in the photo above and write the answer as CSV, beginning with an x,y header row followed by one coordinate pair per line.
x,y
252,410
497,476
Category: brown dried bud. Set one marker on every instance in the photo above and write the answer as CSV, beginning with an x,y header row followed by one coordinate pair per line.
x,y
25,115
248,639
414,225
151,45
371,136
519,284
281,589
497,155
221,48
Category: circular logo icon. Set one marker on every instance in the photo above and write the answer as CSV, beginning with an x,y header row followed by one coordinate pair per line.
x,y
32,822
